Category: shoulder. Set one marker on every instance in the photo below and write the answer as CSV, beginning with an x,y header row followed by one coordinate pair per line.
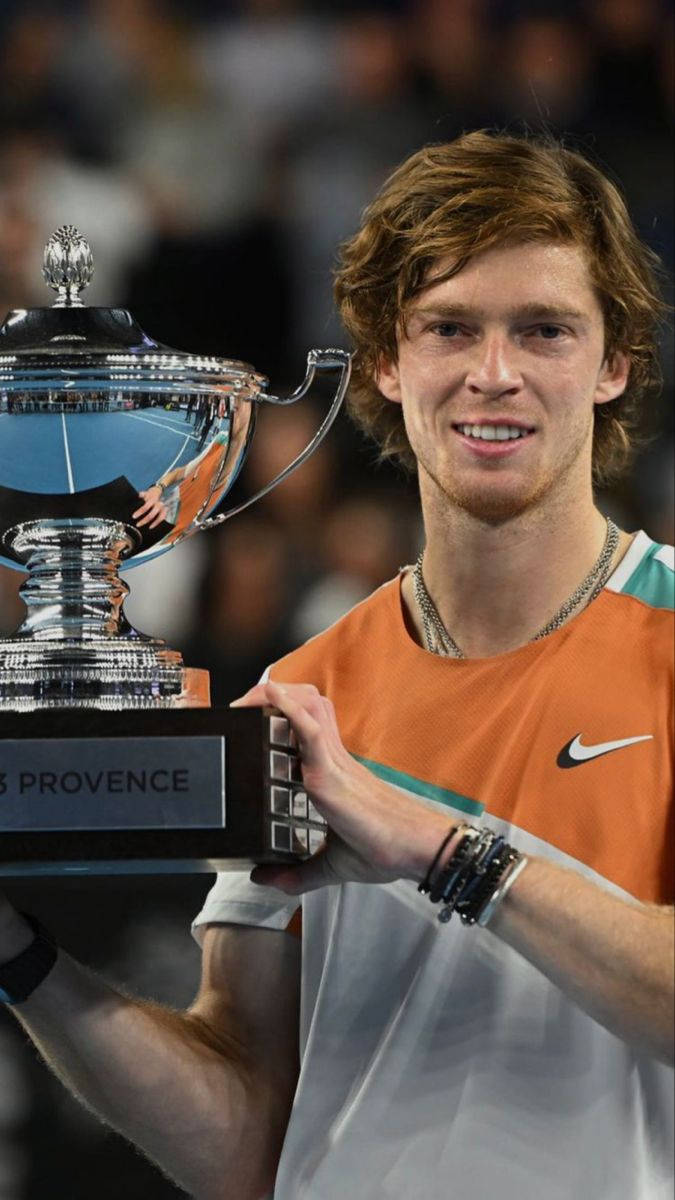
x,y
368,625
647,573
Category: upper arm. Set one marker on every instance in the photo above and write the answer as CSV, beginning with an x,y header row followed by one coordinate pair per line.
x,y
250,988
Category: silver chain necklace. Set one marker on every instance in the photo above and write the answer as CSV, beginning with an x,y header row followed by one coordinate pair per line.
x,y
440,641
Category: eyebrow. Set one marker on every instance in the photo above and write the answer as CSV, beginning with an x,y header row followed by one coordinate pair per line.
x,y
532,311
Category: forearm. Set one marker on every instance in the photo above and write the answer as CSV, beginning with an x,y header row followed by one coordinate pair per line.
x,y
167,1081
614,959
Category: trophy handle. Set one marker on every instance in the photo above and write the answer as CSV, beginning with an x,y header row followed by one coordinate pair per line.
x,y
336,361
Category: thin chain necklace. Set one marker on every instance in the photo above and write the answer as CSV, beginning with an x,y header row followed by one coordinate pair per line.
x,y
440,641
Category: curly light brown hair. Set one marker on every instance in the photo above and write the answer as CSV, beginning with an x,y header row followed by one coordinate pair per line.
x,y
484,190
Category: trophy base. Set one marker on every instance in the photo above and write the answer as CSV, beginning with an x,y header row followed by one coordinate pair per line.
x,y
116,673
103,793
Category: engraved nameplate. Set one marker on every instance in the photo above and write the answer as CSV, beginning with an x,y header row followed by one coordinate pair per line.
x,y
112,783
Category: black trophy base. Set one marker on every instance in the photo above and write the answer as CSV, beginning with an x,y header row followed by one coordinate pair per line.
x,y
84,792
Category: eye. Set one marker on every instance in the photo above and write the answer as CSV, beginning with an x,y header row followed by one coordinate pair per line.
x,y
446,329
550,333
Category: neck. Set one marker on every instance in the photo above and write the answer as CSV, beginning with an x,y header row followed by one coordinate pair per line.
x,y
496,585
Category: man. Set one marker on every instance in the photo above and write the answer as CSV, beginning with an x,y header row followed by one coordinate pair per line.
x,y
503,705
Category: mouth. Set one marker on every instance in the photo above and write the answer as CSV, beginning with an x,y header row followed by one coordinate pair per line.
x,y
493,432
493,439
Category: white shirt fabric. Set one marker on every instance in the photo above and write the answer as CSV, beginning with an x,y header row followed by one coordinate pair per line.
x,y
437,1062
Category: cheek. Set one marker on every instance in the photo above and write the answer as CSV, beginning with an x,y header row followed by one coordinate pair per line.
x,y
426,391
576,398
422,415
567,386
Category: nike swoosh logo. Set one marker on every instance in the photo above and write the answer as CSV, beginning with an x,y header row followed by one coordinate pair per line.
x,y
574,753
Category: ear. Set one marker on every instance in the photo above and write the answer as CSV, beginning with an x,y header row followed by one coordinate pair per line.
x,y
388,380
612,379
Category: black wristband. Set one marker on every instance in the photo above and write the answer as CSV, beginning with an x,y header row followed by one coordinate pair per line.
x,y
426,884
21,975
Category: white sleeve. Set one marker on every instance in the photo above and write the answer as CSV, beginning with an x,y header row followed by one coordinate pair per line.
x,y
233,899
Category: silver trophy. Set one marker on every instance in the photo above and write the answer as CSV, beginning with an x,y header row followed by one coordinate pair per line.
x,y
93,414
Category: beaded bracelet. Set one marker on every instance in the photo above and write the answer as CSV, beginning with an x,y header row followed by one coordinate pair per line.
x,y
471,908
504,886
454,872
476,878
481,883
466,862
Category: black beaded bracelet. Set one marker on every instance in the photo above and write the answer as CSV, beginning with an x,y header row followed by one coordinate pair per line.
x,y
461,866
470,882
483,864
471,908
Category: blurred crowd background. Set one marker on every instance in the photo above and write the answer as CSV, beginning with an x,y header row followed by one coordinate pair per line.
x,y
215,154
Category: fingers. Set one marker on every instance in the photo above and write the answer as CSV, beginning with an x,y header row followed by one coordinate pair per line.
x,y
331,723
306,724
162,512
260,694
149,499
153,511
253,698
311,715
316,872
154,515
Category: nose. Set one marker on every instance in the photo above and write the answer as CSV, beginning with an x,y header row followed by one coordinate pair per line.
x,y
494,371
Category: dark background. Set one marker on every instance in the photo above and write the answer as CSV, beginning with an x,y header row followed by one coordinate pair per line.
x,y
215,154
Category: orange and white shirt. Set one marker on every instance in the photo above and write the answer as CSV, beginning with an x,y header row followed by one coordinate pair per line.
x,y
435,1060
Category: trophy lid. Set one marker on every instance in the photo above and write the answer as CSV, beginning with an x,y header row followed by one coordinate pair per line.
x,y
106,343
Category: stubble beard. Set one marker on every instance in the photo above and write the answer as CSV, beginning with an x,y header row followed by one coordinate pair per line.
x,y
495,506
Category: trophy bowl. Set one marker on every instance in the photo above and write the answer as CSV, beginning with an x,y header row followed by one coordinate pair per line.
x,y
97,419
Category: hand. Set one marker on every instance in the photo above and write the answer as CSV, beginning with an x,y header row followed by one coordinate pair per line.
x,y
375,833
154,510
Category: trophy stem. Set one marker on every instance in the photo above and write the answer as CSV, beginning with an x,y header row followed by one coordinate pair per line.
x,y
76,648
73,591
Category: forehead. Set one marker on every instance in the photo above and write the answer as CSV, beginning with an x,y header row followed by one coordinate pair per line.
x,y
526,274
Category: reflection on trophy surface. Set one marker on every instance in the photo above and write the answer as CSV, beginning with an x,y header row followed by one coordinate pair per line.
x,y
113,449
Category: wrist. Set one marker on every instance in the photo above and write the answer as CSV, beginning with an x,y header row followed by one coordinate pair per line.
x,y
471,874
429,834
21,974
16,934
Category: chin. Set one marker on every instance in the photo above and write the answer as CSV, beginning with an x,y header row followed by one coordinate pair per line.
x,y
496,497
493,508
494,503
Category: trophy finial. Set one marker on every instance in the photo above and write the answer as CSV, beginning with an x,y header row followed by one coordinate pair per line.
x,y
68,265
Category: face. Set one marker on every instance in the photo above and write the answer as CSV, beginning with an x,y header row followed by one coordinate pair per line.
x,y
498,373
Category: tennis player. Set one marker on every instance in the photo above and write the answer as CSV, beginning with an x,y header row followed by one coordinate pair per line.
x,y
480,1003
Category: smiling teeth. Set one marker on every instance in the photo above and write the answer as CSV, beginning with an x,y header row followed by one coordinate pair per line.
x,y
492,433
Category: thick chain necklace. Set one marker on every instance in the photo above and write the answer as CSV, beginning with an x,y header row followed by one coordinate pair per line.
x,y
440,641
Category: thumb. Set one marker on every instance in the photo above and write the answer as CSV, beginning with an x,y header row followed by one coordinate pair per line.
x,y
316,872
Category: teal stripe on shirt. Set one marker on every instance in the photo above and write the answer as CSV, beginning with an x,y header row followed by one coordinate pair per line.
x,y
652,581
421,788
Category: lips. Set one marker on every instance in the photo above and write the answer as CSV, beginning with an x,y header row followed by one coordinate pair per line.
x,y
493,439
493,431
